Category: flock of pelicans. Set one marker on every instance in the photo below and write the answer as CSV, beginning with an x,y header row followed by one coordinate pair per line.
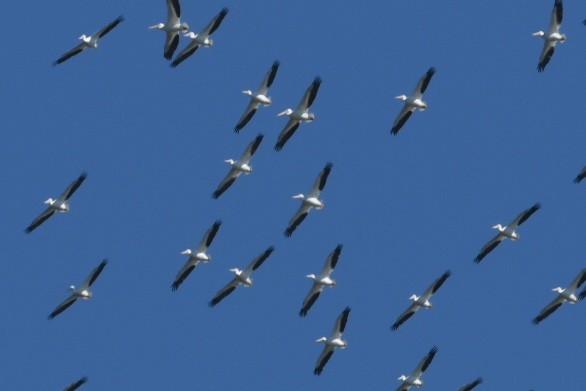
x,y
173,28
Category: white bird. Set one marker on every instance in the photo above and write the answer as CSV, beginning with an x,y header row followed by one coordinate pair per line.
x,y
259,97
310,201
243,277
75,385
203,38
335,341
82,292
238,167
469,386
581,175
509,231
301,113
553,35
198,255
321,280
421,301
564,294
415,378
89,41
58,205
413,102
172,28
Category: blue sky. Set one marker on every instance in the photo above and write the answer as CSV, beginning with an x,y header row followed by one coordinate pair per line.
x,y
496,138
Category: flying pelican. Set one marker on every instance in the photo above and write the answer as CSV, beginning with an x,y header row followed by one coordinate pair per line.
x,y
301,113
421,301
203,38
564,294
509,231
198,255
412,102
58,205
553,35
321,280
259,97
75,385
333,342
89,41
581,175
415,378
238,166
172,28
243,277
469,386
309,201
82,292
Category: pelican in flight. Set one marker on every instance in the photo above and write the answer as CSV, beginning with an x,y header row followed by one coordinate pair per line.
x,y
509,231
172,28
243,277
301,113
335,341
581,175
564,294
553,35
415,378
82,292
413,102
58,205
198,255
421,301
89,41
309,201
470,386
321,280
238,167
259,97
203,38
75,385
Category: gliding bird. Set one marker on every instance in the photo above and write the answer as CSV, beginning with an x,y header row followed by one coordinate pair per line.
x,y
553,35
75,385
412,102
335,341
415,378
172,28
564,294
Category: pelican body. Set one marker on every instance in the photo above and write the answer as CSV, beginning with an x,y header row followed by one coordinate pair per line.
x,y
334,341
413,102
172,27
414,379
552,36
567,294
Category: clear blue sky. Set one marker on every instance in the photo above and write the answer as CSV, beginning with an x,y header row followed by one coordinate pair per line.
x,y
496,138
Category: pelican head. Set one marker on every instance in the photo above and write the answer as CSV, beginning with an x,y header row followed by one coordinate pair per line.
x,y
286,112
190,34
402,378
208,42
247,92
558,289
312,276
158,26
71,288
401,97
299,196
230,161
322,339
414,298
186,252
538,34
236,271
49,201
499,227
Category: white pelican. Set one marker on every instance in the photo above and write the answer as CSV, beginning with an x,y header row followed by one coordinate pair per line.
x,y
415,378
58,205
553,35
412,102
309,201
321,280
421,301
509,231
75,385
238,167
198,255
172,28
243,277
564,294
469,386
333,342
82,292
301,113
259,97
581,175
203,38
89,41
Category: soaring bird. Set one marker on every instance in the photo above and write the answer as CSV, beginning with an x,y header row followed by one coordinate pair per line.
x,y
259,97
309,201
413,102
509,231
553,35
415,378
334,341
75,385
172,28
203,38
58,205
89,41
564,294
198,255
301,113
